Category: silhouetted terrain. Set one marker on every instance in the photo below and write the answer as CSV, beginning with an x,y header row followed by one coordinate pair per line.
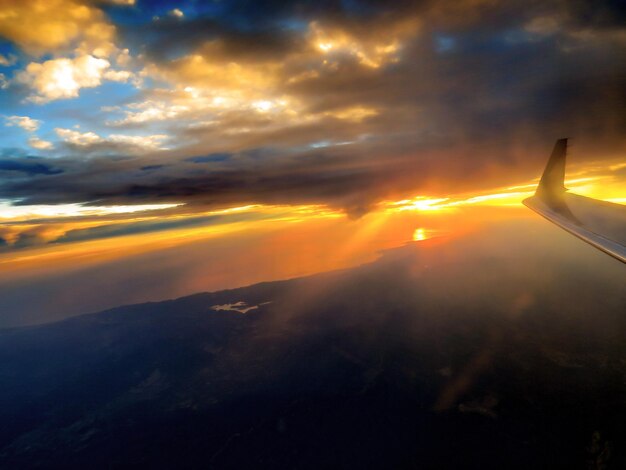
x,y
414,361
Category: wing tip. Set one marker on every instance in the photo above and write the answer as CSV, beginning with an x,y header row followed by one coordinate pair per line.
x,y
552,181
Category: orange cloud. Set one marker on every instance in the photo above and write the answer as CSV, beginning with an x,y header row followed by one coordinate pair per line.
x,y
48,26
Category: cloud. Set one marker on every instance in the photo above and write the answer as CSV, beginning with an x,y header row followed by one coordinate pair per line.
x,y
369,50
64,78
78,138
355,113
176,13
74,36
118,75
50,26
214,157
7,61
26,123
151,167
150,111
30,166
149,142
94,142
255,68
352,179
207,71
345,105
40,144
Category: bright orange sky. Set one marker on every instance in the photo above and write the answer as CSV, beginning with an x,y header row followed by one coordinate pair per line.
x,y
90,232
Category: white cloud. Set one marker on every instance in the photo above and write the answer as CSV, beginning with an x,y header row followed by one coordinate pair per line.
x,y
80,139
353,114
4,83
39,144
89,139
62,78
176,12
118,75
148,141
26,123
150,111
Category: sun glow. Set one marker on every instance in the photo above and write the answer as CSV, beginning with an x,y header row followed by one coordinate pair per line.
x,y
606,187
419,234
325,46
420,203
263,105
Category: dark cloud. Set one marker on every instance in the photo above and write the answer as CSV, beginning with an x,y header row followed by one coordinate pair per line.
x,y
349,177
597,14
152,167
168,39
29,166
213,157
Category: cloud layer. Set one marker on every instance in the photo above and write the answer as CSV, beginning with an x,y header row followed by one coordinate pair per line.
x,y
336,103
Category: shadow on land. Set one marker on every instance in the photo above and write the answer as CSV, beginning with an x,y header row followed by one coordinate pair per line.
x,y
441,355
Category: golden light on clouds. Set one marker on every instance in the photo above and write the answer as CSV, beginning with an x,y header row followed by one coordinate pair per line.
x,y
40,144
211,71
325,46
374,52
210,80
42,26
78,39
210,86
355,113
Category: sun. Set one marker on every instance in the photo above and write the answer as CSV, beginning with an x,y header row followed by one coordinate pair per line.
x,y
419,234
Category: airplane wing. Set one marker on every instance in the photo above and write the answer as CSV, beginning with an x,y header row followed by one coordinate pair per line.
x,y
599,223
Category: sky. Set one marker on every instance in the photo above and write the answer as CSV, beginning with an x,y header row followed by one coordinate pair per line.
x,y
136,130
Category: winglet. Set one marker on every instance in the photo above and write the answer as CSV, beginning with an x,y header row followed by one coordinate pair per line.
x,y
553,178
